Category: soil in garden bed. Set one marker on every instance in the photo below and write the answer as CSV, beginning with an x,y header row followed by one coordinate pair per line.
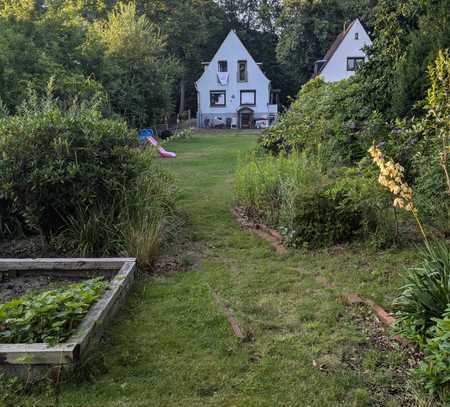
x,y
24,283
32,247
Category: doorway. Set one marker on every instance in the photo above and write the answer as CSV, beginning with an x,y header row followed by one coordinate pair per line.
x,y
245,118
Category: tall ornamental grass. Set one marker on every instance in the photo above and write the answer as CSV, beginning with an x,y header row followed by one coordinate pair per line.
x,y
310,202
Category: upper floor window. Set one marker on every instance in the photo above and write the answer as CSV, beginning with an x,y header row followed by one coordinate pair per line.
x,y
248,97
223,66
242,71
218,98
356,36
354,62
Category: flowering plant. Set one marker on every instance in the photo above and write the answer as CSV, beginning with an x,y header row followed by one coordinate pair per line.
x,y
392,177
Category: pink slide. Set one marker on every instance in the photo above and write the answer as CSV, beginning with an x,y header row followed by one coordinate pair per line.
x,y
163,153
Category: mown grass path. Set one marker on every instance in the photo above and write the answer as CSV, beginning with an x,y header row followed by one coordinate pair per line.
x,y
172,345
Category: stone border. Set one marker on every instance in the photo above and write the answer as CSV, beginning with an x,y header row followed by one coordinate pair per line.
x,y
30,361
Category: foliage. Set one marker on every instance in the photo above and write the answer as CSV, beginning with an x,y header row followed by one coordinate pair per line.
x,y
435,368
426,295
10,222
324,113
50,316
128,55
148,217
55,161
407,37
123,57
420,145
308,29
194,29
311,203
185,134
39,42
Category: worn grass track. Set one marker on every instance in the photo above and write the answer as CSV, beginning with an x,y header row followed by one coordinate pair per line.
x,y
173,346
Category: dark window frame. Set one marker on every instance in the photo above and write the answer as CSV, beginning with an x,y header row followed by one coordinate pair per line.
x,y
245,71
222,91
248,91
357,61
356,36
219,65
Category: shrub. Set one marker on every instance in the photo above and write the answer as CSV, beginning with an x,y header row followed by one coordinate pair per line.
x,y
78,179
322,113
56,161
426,295
435,368
50,316
308,201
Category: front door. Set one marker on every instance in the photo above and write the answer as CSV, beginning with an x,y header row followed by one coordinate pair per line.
x,y
246,120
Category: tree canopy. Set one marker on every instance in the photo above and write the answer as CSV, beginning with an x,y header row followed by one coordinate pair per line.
x,y
145,57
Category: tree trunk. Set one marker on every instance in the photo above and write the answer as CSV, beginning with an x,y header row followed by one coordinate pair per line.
x,y
182,95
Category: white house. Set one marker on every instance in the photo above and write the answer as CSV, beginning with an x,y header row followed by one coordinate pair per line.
x,y
233,91
345,55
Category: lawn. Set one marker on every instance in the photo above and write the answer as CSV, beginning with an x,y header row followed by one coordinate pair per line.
x,y
172,345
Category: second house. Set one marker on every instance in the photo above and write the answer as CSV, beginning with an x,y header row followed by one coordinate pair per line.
x,y
233,91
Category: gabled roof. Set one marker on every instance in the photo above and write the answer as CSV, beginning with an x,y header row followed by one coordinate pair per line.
x,y
230,34
336,44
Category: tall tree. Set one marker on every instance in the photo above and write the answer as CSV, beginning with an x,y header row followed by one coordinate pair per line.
x,y
193,29
127,53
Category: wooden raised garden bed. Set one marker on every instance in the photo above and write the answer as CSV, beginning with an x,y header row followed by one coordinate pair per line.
x,y
38,360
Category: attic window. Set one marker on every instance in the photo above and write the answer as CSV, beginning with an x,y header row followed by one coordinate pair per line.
x,y
354,62
356,36
242,71
223,66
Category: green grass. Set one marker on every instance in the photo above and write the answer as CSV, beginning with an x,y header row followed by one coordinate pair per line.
x,y
172,346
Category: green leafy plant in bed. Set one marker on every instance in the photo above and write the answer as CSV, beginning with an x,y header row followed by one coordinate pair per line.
x,y
49,317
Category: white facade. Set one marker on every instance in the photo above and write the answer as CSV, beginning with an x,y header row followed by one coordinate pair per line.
x,y
233,91
343,57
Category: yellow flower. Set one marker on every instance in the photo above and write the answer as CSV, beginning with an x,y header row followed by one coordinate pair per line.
x,y
398,203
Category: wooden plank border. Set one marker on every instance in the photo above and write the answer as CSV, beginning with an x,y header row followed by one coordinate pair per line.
x,y
93,323
23,354
63,264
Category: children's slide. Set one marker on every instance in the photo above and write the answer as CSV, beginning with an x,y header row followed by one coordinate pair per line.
x,y
147,136
163,153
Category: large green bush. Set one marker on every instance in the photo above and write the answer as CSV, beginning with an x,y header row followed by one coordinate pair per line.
x,y
325,113
55,162
80,180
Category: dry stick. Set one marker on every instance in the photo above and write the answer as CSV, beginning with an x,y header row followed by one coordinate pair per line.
x,y
229,315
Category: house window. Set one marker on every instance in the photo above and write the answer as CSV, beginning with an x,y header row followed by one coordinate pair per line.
x,y
356,36
218,98
248,97
242,71
354,62
223,66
